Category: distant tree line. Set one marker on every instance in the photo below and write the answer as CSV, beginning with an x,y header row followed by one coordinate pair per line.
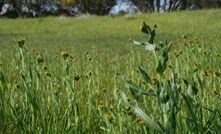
x,y
172,5
20,8
55,7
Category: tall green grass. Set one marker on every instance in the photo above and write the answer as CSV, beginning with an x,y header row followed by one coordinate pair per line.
x,y
176,96
85,76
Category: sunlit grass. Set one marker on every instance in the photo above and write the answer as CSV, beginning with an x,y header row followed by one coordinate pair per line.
x,y
67,76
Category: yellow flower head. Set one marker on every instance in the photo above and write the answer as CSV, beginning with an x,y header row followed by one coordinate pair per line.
x,y
21,42
141,28
16,85
107,116
111,107
206,73
140,121
216,93
48,74
154,81
40,58
184,36
77,77
217,74
144,28
45,67
64,54
100,105
130,110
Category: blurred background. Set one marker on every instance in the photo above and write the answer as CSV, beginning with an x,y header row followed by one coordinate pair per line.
x,y
40,8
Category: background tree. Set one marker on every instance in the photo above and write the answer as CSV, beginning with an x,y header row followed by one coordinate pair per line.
x,y
158,5
1,3
99,7
68,2
102,7
144,5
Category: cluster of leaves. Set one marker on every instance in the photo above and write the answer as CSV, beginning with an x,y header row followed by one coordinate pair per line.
x,y
179,99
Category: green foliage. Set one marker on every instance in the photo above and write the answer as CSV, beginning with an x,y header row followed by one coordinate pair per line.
x,y
98,7
63,77
162,63
173,98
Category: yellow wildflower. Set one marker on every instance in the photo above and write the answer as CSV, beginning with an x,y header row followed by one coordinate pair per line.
x,y
107,116
111,107
21,42
140,121
64,54
40,58
100,105
77,77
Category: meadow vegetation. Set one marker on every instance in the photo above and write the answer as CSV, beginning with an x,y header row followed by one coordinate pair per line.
x,y
107,75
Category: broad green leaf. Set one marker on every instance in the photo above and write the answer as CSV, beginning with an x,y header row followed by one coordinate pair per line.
x,y
138,43
162,64
138,89
150,47
152,36
191,112
124,97
147,46
141,43
146,28
192,90
150,122
144,74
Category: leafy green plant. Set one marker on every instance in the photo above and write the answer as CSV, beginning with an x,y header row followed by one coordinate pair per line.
x,y
177,98
47,86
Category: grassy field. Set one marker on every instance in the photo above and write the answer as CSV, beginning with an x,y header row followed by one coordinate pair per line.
x,y
84,75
